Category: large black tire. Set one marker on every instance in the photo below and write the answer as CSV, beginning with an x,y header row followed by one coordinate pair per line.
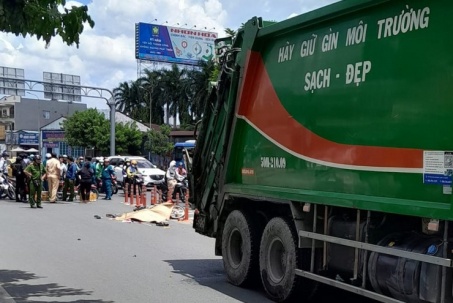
x,y
240,248
279,258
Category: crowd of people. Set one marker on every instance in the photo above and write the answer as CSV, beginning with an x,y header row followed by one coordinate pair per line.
x,y
34,175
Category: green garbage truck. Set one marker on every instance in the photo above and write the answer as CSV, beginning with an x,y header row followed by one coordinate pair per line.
x,y
325,154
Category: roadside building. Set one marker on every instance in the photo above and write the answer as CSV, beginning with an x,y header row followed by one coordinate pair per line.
x,y
22,119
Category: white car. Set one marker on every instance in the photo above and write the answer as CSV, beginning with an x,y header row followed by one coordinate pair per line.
x,y
150,173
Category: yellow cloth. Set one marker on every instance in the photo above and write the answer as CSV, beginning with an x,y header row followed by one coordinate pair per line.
x,y
158,213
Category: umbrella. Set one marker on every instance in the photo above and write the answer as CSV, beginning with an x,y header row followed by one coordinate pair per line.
x,y
17,149
31,150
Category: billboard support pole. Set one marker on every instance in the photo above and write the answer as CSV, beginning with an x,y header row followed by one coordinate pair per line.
x,y
86,91
150,121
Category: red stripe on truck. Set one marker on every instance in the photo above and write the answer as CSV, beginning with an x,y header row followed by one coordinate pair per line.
x,y
262,107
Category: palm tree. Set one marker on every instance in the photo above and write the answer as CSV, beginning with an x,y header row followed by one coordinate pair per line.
x,y
173,90
230,32
198,84
129,99
122,94
152,92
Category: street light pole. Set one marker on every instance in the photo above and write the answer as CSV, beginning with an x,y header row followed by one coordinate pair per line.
x,y
39,123
112,105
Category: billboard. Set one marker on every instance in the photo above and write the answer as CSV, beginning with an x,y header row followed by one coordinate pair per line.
x,y
55,88
26,138
12,81
173,44
52,138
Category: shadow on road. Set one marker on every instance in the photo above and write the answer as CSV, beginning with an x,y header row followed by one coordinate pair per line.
x,y
13,282
210,273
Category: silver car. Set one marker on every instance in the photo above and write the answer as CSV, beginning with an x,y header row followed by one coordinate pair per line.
x,y
150,173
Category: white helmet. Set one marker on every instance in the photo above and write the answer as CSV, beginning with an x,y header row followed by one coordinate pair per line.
x,y
172,163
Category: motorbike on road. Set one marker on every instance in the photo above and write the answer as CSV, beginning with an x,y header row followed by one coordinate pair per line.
x,y
7,187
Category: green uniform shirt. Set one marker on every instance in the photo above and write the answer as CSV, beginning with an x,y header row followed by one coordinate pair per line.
x,y
34,171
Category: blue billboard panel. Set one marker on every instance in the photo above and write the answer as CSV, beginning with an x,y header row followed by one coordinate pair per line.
x,y
52,138
173,44
26,138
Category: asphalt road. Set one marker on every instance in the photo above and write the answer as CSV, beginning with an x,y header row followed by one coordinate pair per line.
x,y
62,253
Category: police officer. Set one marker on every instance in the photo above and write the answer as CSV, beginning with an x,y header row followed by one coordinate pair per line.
x,y
36,172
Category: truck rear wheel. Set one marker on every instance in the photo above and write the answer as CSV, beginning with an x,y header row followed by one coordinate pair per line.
x,y
240,247
279,258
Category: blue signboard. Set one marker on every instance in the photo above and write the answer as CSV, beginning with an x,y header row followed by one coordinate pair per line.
x,y
52,138
438,167
437,179
28,138
173,44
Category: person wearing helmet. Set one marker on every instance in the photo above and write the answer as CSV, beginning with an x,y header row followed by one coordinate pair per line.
x,y
126,180
132,172
36,173
98,171
171,179
108,173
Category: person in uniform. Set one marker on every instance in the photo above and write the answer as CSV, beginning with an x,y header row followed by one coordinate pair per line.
x,y
36,172
107,174
53,176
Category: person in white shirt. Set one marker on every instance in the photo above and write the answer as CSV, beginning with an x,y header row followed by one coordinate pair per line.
x,y
171,179
63,168
4,163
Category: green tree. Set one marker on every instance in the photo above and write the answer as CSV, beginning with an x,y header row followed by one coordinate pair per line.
x,y
173,89
128,138
230,32
159,141
44,19
154,95
130,100
197,86
88,129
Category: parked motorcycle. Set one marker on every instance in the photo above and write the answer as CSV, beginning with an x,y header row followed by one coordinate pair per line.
x,y
181,187
114,186
7,188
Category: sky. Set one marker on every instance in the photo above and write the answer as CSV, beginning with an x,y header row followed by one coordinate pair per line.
x,y
106,54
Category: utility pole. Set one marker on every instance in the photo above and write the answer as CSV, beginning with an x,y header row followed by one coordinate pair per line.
x,y
39,122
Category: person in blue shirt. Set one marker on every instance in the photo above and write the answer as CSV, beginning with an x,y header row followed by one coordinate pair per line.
x,y
69,180
108,173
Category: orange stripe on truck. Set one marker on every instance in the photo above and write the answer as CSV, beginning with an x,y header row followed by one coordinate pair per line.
x,y
262,107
